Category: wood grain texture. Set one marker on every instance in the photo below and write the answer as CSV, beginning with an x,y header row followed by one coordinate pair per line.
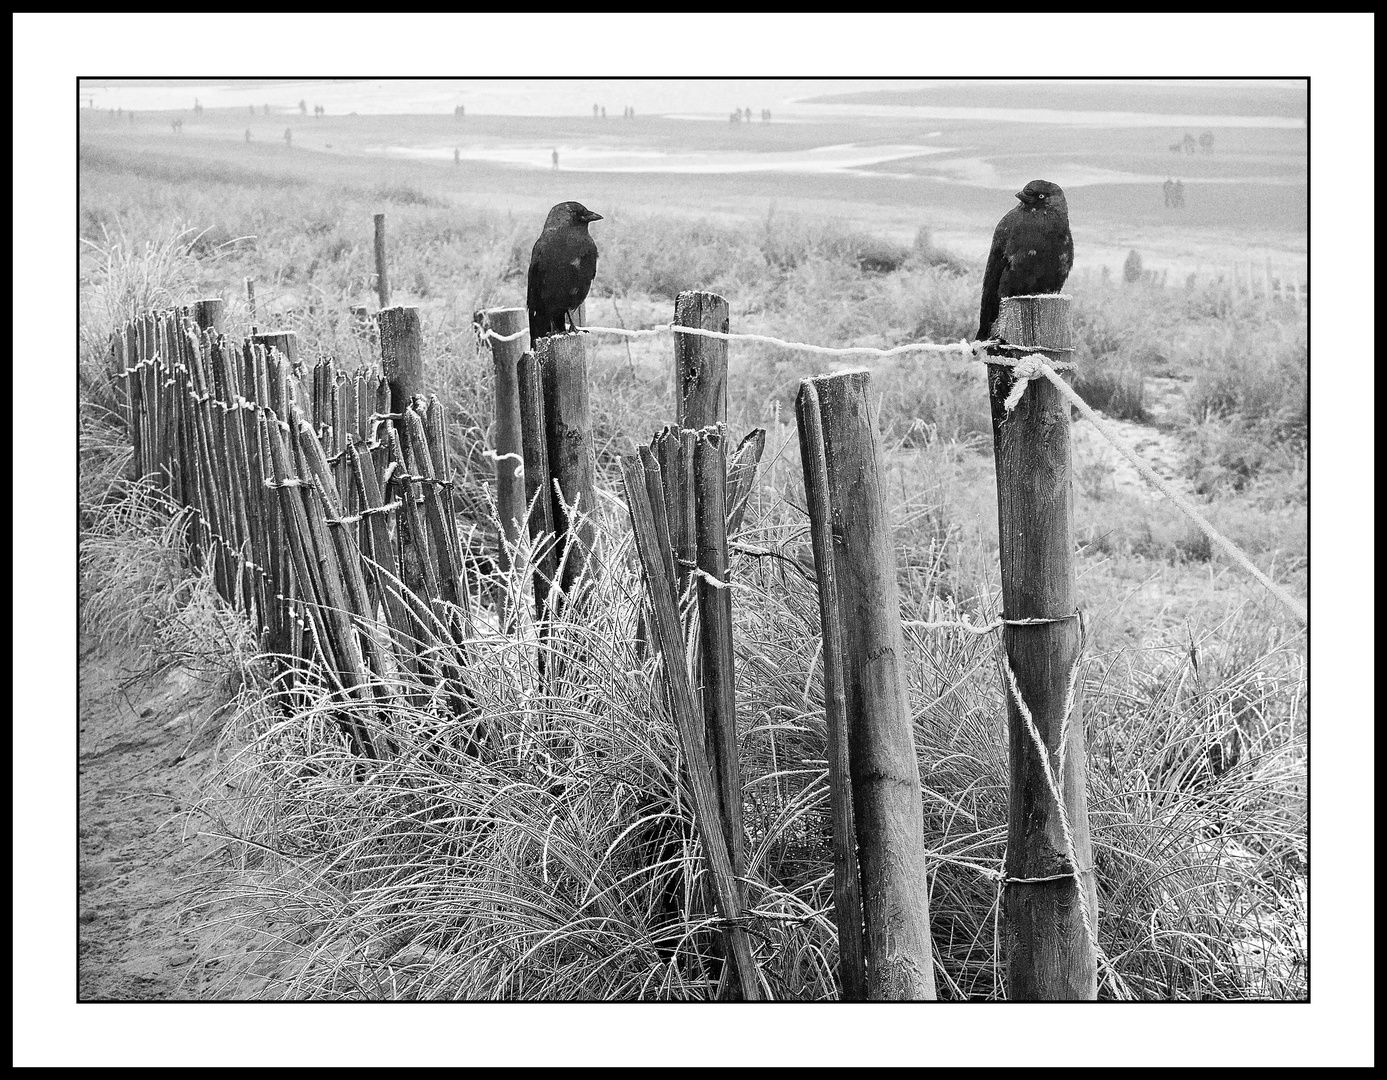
x,y
700,363
1049,955
506,441
847,880
887,804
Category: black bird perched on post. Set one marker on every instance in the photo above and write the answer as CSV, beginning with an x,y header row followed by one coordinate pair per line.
x,y
562,266
1032,251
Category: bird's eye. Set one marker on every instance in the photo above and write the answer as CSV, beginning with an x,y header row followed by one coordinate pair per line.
x,y
1041,195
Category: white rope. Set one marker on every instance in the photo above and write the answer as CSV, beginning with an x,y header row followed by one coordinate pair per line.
x,y
974,350
1075,871
1186,507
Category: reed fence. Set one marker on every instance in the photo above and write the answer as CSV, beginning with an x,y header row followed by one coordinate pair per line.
x,y
321,502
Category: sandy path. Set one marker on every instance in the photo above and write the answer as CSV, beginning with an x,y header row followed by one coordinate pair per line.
x,y
143,745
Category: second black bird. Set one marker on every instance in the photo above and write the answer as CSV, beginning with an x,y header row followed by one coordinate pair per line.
x,y
562,266
1032,251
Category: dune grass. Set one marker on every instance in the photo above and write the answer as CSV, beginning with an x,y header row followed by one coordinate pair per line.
x,y
542,846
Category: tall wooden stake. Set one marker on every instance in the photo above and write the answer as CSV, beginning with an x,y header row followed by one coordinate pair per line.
x,y
401,356
382,282
700,363
887,806
1050,954
509,449
568,439
847,880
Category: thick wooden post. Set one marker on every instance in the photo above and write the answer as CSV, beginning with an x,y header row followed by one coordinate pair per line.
x,y
887,806
568,439
507,442
382,281
700,363
401,356
286,341
210,314
1051,956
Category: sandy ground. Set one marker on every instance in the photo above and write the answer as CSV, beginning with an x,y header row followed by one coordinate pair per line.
x,y
145,747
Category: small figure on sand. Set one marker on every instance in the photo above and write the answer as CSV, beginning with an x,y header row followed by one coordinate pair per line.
x,y
1177,195
594,112
303,107
1167,188
288,137
247,134
555,156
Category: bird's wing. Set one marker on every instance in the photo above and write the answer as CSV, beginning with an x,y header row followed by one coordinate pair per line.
x,y
535,284
992,281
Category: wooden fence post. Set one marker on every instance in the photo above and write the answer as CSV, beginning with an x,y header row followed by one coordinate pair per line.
x,y
250,301
700,363
715,625
401,357
539,488
382,282
887,805
507,442
847,880
641,474
1051,953
210,314
568,441
286,341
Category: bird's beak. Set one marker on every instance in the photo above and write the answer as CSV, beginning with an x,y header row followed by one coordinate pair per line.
x,y
1021,195
592,217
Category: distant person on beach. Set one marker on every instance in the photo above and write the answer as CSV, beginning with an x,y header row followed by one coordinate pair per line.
x,y
288,137
594,112
1179,194
1206,141
556,160
604,112
1168,189
303,107
247,134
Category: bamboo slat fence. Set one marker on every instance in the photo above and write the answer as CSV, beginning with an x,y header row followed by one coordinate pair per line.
x,y
311,502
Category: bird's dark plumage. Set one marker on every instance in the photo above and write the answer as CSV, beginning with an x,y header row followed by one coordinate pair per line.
x,y
1032,251
562,266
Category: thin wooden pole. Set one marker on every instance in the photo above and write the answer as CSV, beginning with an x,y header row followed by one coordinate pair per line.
x,y
847,881
1050,954
382,282
887,805
538,486
700,363
715,626
507,444
250,301
669,639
